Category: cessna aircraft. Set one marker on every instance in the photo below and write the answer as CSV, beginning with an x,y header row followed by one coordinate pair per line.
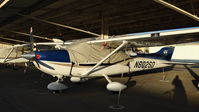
x,y
81,61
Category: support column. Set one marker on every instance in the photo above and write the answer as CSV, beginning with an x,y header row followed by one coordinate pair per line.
x,y
104,28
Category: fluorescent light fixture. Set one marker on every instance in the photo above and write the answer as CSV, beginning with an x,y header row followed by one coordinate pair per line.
x,y
3,3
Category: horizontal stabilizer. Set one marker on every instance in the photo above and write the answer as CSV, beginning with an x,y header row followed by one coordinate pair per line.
x,y
188,54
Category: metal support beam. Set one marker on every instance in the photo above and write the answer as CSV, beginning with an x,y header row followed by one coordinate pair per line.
x,y
104,28
34,8
195,17
26,34
3,3
13,40
60,25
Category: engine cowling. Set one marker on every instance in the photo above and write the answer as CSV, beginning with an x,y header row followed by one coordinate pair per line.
x,y
115,86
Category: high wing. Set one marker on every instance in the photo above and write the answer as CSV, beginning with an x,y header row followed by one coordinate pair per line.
x,y
155,38
145,39
13,54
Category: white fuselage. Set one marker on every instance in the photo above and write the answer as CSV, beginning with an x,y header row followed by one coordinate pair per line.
x,y
67,69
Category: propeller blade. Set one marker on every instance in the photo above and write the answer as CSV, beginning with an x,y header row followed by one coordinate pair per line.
x,y
43,64
36,61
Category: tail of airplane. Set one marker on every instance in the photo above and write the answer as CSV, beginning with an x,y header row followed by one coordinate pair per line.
x,y
165,53
186,53
180,53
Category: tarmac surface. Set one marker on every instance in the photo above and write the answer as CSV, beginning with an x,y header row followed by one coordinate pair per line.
x,y
174,90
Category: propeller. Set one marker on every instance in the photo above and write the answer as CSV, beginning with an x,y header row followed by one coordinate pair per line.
x,y
32,56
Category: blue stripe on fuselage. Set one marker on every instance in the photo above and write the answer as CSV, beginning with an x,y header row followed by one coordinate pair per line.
x,y
54,55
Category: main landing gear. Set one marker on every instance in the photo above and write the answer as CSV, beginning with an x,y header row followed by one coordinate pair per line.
x,y
115,87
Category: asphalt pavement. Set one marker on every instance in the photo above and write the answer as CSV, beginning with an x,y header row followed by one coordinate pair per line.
x,y
174,90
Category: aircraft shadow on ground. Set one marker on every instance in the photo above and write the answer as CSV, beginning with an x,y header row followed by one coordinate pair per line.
x,y
129,82
195,66
196,77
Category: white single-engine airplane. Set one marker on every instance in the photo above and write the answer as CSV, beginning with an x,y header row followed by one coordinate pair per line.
x,y
103,58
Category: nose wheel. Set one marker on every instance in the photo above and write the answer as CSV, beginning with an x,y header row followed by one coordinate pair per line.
x,y
57,85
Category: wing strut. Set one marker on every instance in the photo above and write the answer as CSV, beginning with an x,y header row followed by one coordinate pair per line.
x,y
105,58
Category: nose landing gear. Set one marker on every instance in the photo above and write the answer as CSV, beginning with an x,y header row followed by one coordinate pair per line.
x,y
57,85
